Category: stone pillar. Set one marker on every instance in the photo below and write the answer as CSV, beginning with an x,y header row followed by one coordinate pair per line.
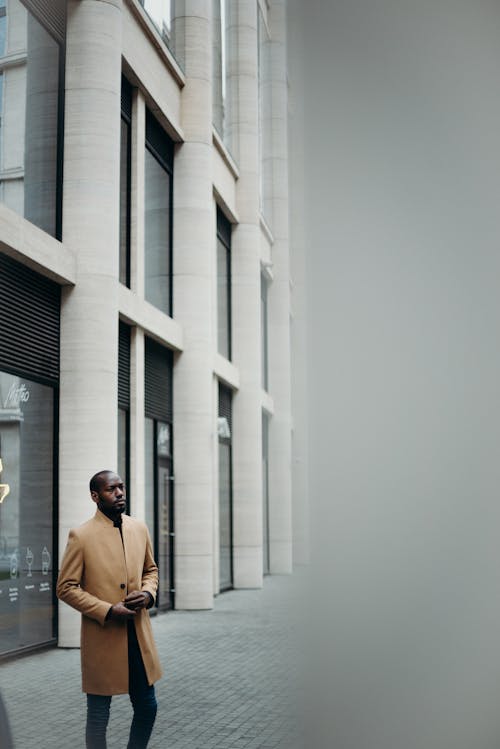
x,y
298,270
280,460
194,248
89,312
245,257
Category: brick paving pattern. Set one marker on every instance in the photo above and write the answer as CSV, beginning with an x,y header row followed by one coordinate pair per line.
x,y
228,684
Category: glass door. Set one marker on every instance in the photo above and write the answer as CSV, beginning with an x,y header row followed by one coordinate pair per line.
x,y
164,515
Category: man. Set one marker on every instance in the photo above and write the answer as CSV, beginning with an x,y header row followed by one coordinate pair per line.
x,y
108,573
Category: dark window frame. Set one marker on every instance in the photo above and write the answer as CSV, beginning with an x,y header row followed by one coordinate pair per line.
x,y
224,232
226,409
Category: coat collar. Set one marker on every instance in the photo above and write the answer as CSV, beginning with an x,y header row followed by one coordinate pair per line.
x,y
102,518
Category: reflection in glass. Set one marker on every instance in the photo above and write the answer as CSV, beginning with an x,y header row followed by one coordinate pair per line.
x,y
223,300
157,233
3,26
169,18
29,143
264,334
125,177
159,12
225,538
222,80
164,503
26,529
149,475
265,492
123,438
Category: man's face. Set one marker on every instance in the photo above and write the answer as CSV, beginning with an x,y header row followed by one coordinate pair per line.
x,y
110,498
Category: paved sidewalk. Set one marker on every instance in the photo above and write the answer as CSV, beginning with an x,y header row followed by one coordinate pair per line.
x,y
228,681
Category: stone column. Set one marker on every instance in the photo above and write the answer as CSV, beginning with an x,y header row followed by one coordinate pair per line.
x,y
298,270
245,257
280,457
194,248
89,312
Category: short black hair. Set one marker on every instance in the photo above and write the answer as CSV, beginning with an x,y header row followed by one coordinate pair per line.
x,y
97,480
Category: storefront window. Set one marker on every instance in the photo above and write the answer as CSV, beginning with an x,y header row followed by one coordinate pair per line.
x,y
26,512
225,490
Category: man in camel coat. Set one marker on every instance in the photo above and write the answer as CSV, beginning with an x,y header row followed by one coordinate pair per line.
x,y
108,573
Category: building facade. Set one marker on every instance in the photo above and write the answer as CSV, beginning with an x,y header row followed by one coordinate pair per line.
x,y
146,292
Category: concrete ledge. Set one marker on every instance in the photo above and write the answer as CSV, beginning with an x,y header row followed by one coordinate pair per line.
x,y
225,154
225,371
29,245
267,403
156,324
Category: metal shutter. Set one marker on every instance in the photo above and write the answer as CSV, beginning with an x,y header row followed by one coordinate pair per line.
x,y
158,381
124,366
29,322
158,142
225,404
126,99
223,229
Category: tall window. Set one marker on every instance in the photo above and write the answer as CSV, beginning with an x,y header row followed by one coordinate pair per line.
x,y
264,333
158,216
166,15
125,181
223,285
3,27
31,141
124,405
225,489
159,463
265,493
265,116
222,88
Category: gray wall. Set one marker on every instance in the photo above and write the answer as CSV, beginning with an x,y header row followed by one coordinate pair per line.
x,y
402,146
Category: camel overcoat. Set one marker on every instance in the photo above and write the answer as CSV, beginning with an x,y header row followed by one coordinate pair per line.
x,y
97,571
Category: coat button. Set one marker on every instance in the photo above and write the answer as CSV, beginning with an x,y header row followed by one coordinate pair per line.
x,y
122,586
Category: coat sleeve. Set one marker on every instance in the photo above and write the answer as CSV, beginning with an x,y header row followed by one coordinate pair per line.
x,y
68,587
149,580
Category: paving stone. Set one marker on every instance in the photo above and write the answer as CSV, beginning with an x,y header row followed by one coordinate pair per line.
x,y
229,683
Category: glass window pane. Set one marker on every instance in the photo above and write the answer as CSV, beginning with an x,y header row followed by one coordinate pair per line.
x,y
157,234
223,336
264,334
225,547
124,202
123,422
149,475
30,121
163,492
26,512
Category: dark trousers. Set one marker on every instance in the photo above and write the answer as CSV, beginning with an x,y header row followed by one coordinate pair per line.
x,y
142,697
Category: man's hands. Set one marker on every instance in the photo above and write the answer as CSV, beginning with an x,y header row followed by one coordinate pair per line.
x,y
136,600
127,609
